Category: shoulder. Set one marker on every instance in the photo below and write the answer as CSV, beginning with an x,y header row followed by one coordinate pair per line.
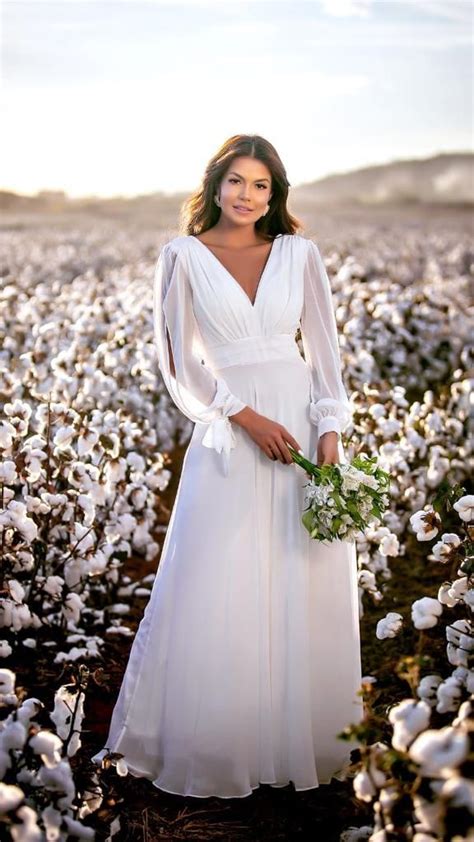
x,y
300,241
175,245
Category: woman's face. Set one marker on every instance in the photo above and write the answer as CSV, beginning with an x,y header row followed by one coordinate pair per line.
x,y
246,184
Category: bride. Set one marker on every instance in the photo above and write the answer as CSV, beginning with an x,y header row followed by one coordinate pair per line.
x,y
246,664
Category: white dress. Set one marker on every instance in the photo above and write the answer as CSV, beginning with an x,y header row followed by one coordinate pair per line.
x,y
246,663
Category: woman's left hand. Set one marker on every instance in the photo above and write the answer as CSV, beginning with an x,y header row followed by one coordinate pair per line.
x,y
327,450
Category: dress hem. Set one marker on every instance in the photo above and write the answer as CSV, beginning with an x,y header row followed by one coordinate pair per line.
x,y
140,774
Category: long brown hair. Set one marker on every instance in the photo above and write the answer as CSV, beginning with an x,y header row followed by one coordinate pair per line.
x,y
199,211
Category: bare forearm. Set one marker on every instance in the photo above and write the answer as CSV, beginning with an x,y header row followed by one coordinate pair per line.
x,y
245,417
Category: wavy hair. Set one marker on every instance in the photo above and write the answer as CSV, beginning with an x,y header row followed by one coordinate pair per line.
x,y
199,211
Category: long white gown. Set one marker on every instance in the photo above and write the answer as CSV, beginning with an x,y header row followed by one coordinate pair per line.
x,y
246,663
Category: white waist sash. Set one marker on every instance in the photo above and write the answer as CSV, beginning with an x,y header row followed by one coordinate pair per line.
x,y
252,349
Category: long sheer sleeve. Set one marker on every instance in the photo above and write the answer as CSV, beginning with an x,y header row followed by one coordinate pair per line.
x,y
330,408
193,388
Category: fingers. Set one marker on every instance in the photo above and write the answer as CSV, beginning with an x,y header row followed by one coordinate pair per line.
x,y
280,450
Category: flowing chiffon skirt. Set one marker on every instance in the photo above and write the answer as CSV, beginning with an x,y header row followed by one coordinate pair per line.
x,y
246,664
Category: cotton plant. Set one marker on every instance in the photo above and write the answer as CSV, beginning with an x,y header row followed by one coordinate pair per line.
x,y
39,798
77,500
429,443
417,778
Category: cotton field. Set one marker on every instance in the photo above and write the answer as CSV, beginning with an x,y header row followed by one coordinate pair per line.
x,y
90,454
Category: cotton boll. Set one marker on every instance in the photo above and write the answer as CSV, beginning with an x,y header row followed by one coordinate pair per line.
x,y
444,549
389,545
426,524
444,595
459,792
5,649
78,830
53,585
48,746
428,814
363,786
468,598
72,607
27,830
408,719
356,834
10,797
427,687
389,626
439,752
425,612
458,588
60,780
449,693
13,735
7,682
379,836
459,633
465,507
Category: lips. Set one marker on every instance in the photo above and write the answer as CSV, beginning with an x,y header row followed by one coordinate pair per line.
x,y
242,209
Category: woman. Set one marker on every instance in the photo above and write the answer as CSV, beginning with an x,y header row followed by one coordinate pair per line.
x,y
246,664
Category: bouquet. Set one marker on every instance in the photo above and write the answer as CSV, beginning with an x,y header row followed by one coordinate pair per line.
x,y
342,500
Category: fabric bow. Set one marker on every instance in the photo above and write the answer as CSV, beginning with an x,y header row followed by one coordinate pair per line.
x,y
220,435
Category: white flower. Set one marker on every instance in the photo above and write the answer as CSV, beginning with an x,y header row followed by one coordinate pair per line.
x,y
465,507
439,751
426,524
389,626
408,719
425,612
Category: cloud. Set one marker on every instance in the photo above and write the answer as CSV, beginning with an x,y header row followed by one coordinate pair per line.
x,y
347,8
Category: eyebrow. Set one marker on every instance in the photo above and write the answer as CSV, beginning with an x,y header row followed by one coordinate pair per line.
x,y
233,172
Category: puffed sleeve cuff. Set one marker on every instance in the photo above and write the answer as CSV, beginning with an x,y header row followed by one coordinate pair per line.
x,y
220,434
330,415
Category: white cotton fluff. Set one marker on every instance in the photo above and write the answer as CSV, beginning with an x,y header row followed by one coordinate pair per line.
x,y
389,626
425,612
408,719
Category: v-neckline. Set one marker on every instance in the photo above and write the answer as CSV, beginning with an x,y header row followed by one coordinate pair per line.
x,y
264,270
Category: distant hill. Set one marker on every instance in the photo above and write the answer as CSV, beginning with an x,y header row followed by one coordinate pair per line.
x,y
445,179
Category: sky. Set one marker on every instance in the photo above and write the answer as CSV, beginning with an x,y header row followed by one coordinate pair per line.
x,y
123,98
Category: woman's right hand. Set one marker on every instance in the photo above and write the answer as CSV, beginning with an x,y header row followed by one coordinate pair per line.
x,y
269,435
